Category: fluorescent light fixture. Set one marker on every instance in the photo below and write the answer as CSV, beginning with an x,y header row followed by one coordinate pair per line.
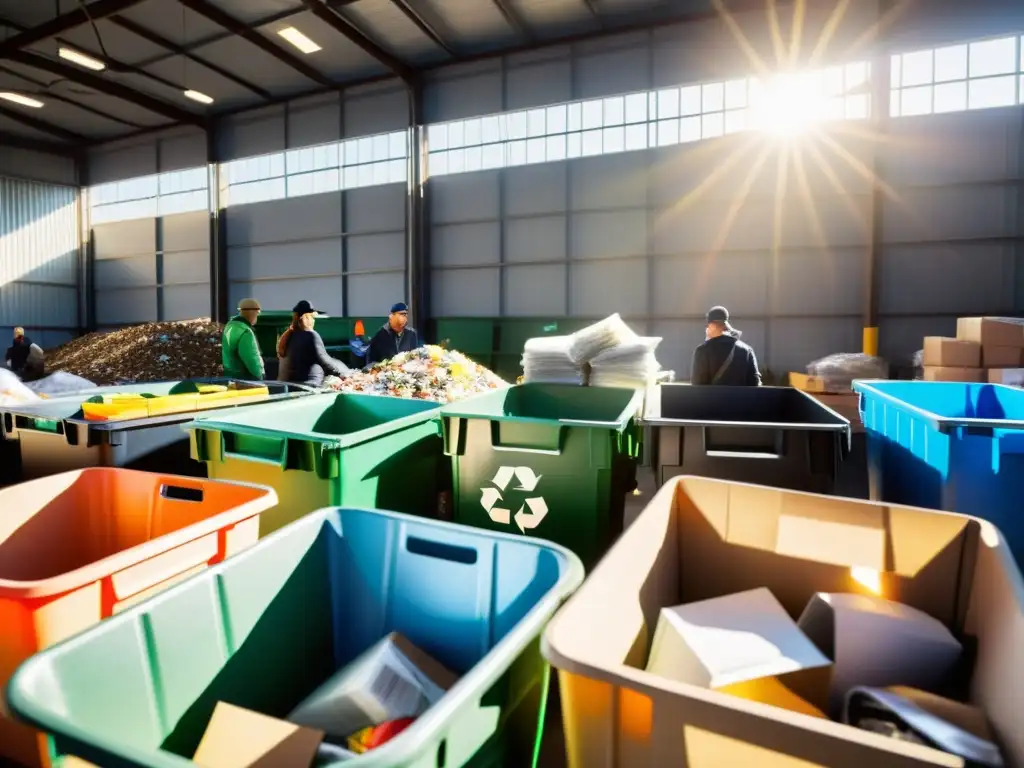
x,y
299,40
17,98
70,54
199,96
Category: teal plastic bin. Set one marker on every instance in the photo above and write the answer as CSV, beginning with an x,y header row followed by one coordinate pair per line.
x,y
265,628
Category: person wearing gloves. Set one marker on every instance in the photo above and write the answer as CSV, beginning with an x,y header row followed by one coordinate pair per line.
x,y
393,337
723,358
24,358
239,351
304,359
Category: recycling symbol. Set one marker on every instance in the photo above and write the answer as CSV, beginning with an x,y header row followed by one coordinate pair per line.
x,y
526,482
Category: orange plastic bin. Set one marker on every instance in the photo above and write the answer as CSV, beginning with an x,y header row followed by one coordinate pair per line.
x,y
80,546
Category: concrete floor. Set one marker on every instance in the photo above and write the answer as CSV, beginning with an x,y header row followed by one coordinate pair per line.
x,y
852,482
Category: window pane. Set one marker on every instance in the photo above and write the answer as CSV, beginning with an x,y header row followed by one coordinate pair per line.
x,y
896,67
493,156
471,133
689,129
917,68
474,159
636,136
535,150
668,132
951,97
668,103
536,124
490,129
437,163
713,97
593,114
592,143
556,119
951,63
516,125
712,125
993,57
992,92
574,145
736,121
555,147
614,111
456,137
689,100
575,117
916,101
636,108
437,136
517,153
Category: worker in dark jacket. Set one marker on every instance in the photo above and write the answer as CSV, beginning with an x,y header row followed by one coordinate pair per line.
x,y
723,358
304,359
394,336
25,358
239,350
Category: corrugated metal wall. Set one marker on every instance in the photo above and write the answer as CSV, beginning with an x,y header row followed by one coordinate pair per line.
x,y
343,251
39,260
156,266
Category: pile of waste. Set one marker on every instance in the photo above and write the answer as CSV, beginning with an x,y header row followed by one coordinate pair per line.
x,y
14,391
186,349
838,371
427,373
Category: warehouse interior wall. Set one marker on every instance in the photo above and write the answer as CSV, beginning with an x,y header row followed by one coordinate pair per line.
x,y
40,264
616,174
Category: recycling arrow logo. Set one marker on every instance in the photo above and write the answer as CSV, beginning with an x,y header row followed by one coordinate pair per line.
x,y
526,480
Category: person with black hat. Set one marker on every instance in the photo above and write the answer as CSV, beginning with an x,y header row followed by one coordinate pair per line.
x,y
723,358
304,359
393,337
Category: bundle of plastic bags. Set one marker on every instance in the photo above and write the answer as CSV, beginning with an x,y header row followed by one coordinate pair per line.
x,y
839,371
587,343
631,364
547,359
13,390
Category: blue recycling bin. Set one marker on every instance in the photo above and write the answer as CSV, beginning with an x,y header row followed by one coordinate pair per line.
x,y
949,446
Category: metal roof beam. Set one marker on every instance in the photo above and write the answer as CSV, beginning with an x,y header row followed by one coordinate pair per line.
x,y
233,25
592,7
65,100
106,85
173,47
424,26
349,30
512,19
65,22
41,125
35,145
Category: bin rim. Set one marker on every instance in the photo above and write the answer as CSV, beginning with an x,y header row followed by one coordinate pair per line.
x,y
126,558
33,711
223,423
459,411
940,423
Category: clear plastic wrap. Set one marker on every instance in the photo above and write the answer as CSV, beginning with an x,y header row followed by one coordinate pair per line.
x,y
546,360
13,390
587,343
839,371
630,365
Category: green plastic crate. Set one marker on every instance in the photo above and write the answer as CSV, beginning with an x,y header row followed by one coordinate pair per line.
x,y
263,629
332,449
545,460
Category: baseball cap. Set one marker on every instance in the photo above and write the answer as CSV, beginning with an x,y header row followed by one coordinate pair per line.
x,y
19,331
305,308
401,306
249,304
718,315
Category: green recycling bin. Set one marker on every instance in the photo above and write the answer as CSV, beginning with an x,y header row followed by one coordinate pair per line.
x,y
338,450
546,460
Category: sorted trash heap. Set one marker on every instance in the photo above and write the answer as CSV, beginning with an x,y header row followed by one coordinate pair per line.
x,y
427,373
186,349
605,354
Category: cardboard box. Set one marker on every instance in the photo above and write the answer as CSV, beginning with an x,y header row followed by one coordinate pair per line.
x,y
940,351
241,738
1012,377
932,373
991,331
806,383
1000,357
877,642
391,680
701,538
744,644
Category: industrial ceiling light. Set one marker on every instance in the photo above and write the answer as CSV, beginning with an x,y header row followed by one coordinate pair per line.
x,y
70,54
17,98
199,96
299,40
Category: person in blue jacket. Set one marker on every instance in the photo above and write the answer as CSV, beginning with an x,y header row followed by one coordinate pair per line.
x,y
304,359
393,337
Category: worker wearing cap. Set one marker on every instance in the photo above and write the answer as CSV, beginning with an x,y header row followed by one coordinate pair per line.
x,y
25,358
723,358
394,336
239,351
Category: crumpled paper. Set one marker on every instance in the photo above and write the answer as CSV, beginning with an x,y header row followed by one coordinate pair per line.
x,y
427,373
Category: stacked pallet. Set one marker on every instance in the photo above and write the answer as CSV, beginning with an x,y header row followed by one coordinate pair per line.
x,y
985,349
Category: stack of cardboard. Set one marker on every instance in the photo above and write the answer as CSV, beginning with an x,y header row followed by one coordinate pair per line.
x,y
985,349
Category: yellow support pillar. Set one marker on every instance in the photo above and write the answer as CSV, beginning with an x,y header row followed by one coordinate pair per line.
x,y
870,342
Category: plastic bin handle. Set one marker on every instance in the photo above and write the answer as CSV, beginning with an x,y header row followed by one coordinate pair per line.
x,y
264,448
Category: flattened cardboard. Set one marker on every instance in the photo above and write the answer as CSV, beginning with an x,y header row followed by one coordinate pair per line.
x,y
701,538
990,331
933,373
241,738
1001,357
1011,377
877,643
744,644
940,351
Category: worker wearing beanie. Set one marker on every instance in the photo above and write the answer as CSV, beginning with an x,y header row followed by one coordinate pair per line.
x,y
394,336
239,351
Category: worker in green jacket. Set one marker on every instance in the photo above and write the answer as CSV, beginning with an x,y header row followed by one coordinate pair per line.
x,y
239,351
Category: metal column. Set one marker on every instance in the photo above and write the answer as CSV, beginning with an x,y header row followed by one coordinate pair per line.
x,y
417,212
219,310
